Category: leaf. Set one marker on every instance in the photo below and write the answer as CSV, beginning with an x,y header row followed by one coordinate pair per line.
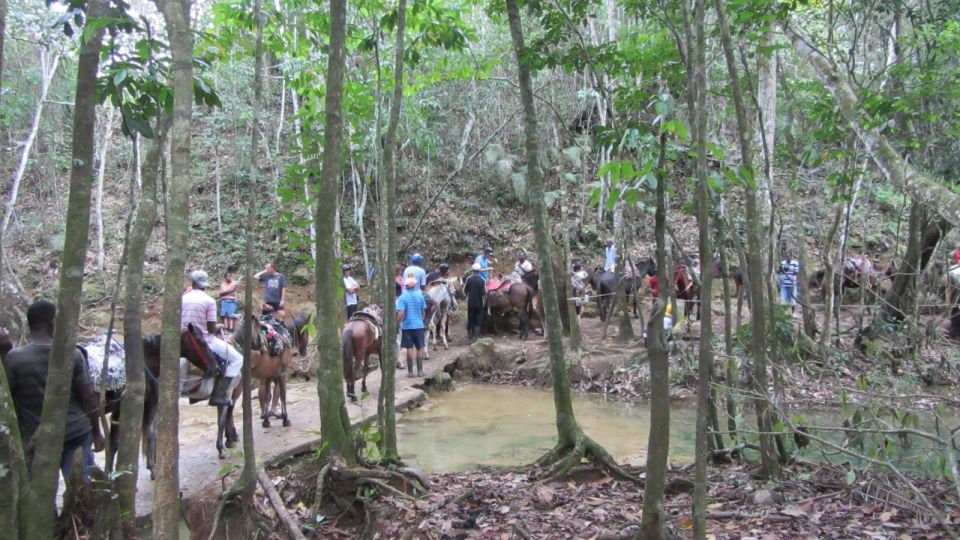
x,y
794,511
850,478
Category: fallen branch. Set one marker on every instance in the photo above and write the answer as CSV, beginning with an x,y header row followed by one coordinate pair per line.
x,y
292,526
388,488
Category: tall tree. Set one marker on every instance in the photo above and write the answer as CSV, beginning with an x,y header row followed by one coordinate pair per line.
x,y
166,499
572,443
756,271
334,421
48,439
388,249
128,451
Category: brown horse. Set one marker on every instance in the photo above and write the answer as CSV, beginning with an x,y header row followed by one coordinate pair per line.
x,y
515,298
858,272
192,347
269,368
687,289
360,338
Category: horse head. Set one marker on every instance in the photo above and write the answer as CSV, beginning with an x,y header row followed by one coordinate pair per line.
x,y
301,334
193,347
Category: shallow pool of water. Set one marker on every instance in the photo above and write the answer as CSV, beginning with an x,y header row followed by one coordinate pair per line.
x,y
506,425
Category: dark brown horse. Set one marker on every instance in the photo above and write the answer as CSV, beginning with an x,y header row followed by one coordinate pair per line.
x,y
192,347
516,298
361,337
687,289
857,273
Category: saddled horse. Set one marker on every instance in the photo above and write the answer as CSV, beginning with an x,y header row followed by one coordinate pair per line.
x,y
442,301
604,285
858,272
271,368
504,298
361,337
687,289
192,347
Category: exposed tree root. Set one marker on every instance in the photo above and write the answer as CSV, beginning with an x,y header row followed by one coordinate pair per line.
x,y
559,461
292,526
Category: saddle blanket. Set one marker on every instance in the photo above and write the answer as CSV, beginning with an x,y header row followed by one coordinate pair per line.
x,y
495,284
276,333
116,364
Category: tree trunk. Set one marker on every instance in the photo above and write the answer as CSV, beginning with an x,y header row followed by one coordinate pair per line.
x,y
387,248
567,429
101,171
247,482
334,420
654,519
295,100
166,499
698,88
48,439
755,267
16,483
934,195
48,68
128,451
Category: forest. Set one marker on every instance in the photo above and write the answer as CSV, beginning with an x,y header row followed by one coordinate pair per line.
x,y
600,268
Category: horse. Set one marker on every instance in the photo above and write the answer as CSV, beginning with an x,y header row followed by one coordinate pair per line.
x,y
857,272
361,337
687,289
733,272
604,284
442,301
192,347
517,297
270,368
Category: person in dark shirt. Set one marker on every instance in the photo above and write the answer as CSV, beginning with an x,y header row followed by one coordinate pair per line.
x,y
476,289
274,289
26,368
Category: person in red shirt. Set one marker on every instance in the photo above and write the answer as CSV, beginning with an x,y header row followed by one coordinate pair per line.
x,y
955,256
655,287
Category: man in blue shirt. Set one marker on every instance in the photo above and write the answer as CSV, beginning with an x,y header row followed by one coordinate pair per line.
x,y
483,260
411,310
787,278
416,272
610,256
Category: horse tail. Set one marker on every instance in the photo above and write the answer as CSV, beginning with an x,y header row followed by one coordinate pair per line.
x,y
346,343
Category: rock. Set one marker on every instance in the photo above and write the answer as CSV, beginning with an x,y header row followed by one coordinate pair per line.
x,y
482,357
765,497
441,380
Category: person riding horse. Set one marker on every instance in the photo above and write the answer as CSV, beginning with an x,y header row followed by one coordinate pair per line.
x,y
416,272
441,273
200,309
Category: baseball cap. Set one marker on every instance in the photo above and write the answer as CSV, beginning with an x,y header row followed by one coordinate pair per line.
x,y
200,278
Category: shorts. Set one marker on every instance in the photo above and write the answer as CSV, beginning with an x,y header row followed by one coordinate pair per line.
x,y
412,339
228,309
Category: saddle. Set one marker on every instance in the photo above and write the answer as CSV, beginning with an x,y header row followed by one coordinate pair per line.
x,y
495,285
373,317
276,334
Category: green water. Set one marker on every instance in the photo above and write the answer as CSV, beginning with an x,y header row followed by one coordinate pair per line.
x,y
505,425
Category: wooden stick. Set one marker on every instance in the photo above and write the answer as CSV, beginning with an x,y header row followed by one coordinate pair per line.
x,y
292,526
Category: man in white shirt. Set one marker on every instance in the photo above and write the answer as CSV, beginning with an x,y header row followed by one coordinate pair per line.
x,y
350,287
610,256
201,310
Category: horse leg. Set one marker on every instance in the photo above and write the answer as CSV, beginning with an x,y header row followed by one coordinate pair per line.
x,y
282,391
263,396
221,426
231,428
443,335
149,429
363,382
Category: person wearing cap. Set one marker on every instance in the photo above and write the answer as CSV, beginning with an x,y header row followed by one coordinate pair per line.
x,y
523,265
476,289
416,271
610,256
350,287
441,272
483,260
274,288
411,310
199,309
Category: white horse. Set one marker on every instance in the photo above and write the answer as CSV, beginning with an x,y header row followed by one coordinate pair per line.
x,y
443,301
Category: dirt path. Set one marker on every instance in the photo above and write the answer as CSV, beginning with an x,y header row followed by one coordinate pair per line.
x,y
199,465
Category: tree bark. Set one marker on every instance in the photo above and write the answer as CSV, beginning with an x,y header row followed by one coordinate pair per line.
x,y
934,195
48,439
388,247
128,451
16,483
755,267
49,68
334,421
166,499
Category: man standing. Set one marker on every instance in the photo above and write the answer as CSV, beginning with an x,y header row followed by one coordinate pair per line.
x,y
350,287
411,309
610,256
201,310
475,288
274,288
787,277
416,272
483,260
26,368
228,301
